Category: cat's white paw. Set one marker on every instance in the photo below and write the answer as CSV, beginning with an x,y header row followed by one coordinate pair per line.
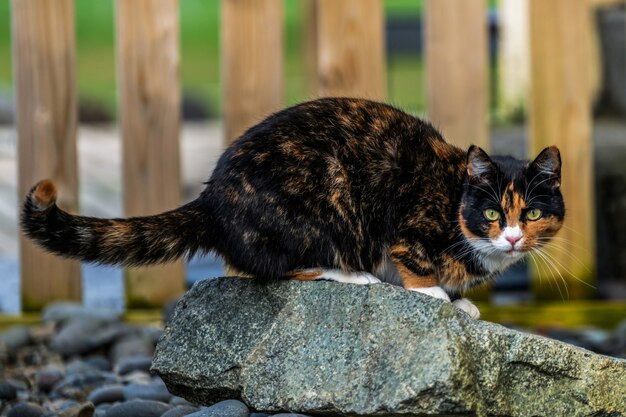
x,y
360,278
467,306
436,292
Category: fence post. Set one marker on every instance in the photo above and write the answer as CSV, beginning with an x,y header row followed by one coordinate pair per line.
x,y
351,48
149,108
514,58
560,114
456,70
45,91
252,62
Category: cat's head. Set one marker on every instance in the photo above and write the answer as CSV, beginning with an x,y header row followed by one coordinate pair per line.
x,y
511,206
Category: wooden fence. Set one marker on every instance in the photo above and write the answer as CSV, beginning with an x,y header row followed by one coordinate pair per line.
x,y
346,56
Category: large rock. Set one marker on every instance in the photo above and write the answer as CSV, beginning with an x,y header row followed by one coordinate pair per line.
x,y
331,349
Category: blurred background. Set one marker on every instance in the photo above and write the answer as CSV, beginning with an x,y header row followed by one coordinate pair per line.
x,y
128,105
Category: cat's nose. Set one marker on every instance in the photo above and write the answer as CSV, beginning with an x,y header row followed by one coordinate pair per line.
x,y
513,239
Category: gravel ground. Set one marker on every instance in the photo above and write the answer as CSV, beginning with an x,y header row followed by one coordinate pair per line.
x,y
83,362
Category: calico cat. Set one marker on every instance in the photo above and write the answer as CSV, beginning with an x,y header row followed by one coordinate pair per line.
x,y
342,189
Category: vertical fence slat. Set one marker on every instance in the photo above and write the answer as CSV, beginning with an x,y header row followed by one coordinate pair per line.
x,y
560,114
457,69
149,108
45,91
252,62
514,58
351,48
308,46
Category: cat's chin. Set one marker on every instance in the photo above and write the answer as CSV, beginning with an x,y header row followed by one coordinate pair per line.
x,y
499,260
495,259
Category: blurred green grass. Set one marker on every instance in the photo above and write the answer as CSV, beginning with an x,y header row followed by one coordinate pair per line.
x,y
199,38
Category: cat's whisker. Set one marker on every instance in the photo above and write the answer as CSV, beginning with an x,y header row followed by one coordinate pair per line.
x,y
569,253
541,182
540,270
573,230
552,269
565,268
530,201
493,196
461,242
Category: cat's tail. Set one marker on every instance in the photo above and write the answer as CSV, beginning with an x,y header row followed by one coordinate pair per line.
x,y
130,242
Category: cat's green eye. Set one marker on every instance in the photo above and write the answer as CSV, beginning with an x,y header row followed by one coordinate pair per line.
x,y
533,214
492,215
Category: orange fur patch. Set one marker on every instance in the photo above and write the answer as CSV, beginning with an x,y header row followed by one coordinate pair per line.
x,y
542,228
453,273
304,275
45,194
467,232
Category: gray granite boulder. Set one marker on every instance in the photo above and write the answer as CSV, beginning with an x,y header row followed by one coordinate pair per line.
x,y
326,348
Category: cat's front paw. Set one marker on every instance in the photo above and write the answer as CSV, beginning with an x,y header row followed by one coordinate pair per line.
x,y
467,306
435,292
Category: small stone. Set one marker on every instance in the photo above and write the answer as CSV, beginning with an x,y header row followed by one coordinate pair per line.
x,y
101,409
78,386
259,415
61,313
134,363
8,391
180,411
180,401
81,336
15,337
62,404
26,410
47,377
228,408
98,362
137,377
138,408
106,394
80,410
132,345
289,415
154,391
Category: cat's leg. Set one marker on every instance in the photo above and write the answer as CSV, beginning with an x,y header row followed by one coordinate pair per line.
x,y
416,271
467,306
361,278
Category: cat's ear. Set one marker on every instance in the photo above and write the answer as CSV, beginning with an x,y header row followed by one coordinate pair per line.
x,y
547,165
480,167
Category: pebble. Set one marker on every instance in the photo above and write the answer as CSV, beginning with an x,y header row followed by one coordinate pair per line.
x,y
61,313
8,391
15,337
176,400
101,409
80,410
26,410
47,377
131,345
134,363
259,415
289,415
228,408
98,362
154,391
78,386
138,408
180,411
106,394
81,336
